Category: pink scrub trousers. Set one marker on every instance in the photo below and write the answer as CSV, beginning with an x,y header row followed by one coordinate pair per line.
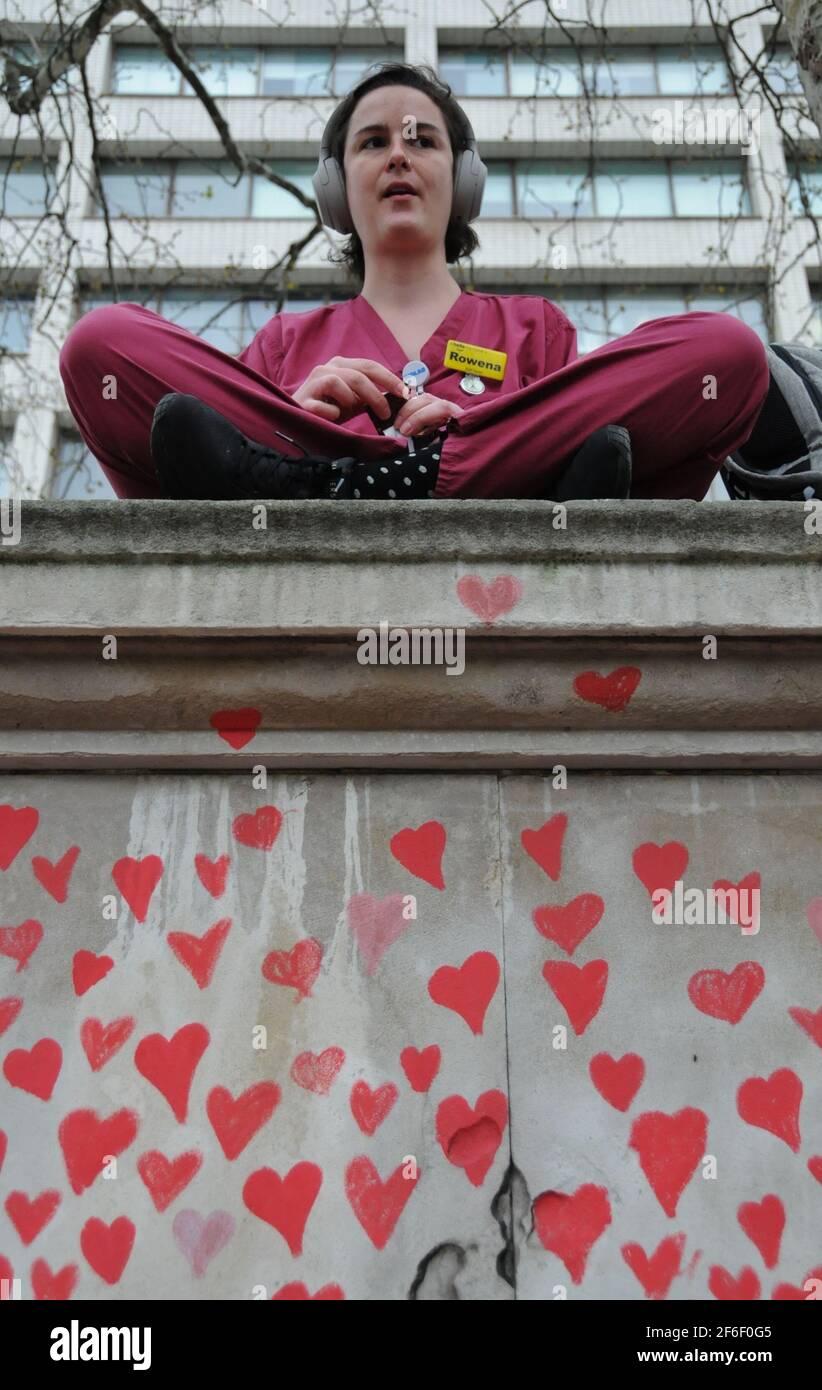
x,y
688,387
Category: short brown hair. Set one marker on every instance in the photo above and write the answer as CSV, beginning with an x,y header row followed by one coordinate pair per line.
x,y
460,239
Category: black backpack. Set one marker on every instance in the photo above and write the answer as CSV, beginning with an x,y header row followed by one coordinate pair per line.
x,y
782,460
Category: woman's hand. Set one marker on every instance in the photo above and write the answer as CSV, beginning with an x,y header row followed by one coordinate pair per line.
x,y
425,412
345,386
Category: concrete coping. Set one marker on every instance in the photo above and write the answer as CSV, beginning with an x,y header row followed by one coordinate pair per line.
x,y
137,532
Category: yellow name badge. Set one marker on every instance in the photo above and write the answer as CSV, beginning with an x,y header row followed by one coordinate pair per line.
x,y
479,361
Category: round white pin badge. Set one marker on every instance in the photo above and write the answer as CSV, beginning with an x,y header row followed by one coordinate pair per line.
x,y
415,374
474,385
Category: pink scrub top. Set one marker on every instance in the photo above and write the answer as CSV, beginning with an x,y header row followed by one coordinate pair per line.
x,y
535,333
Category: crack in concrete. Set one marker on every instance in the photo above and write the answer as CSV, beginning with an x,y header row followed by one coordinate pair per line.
x,y
511,1209
438,1272
436,1276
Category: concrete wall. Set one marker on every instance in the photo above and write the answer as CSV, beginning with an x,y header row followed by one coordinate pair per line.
x,y
604,1107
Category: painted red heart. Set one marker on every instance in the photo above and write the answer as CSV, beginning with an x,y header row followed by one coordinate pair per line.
x,y
420,1067
763,1223
612,692
570,1224
212,873
660,866
258,830
20,943
815,1166
236,727
420,851
470,1137
87,970
57,1286
300,1291
741,901
811,1022
489,601
656,1272
55,877
101,1041
284,1203
569,925
580,989
9,1009
296,969
772,1103
6,1277
545,844
199,954
739,1288
376,923
727,996
235,1122
617,1080
35,1071
370,1108
669,1148
317,1072
467,989
378,1205
166,1178
30,1215
108,1248
4,1143
785,1291
136,880
17,825
87,1143
170,1063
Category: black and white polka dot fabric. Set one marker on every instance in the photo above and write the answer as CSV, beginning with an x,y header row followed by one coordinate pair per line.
x,y
403,476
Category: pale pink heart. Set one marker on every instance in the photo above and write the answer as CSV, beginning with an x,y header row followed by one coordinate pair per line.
x,y
201,1238
814,913
489,601
376,924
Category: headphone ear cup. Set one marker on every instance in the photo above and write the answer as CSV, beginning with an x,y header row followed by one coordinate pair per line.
x,y
469,185
332,200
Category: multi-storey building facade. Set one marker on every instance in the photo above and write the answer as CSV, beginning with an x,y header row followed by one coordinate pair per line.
x,y
585,202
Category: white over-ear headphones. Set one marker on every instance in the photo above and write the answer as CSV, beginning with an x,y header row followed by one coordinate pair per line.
x,y
329,184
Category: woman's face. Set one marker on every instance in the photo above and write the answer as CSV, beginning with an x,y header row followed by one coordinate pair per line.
x,y
398,134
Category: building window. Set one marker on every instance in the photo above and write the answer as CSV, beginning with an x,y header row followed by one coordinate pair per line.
x,y
16,313
781,70
602,313
557,188
568,71
806,177
269,200
26,187
144,70
76,475
227,72
201,188
7,469
815,328
226,320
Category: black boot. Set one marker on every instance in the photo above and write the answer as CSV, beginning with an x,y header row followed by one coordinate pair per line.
x,y
601,469
199,454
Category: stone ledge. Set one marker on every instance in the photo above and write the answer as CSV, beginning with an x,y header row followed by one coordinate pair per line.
x,y
412,750
212,615
638,569
205,532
